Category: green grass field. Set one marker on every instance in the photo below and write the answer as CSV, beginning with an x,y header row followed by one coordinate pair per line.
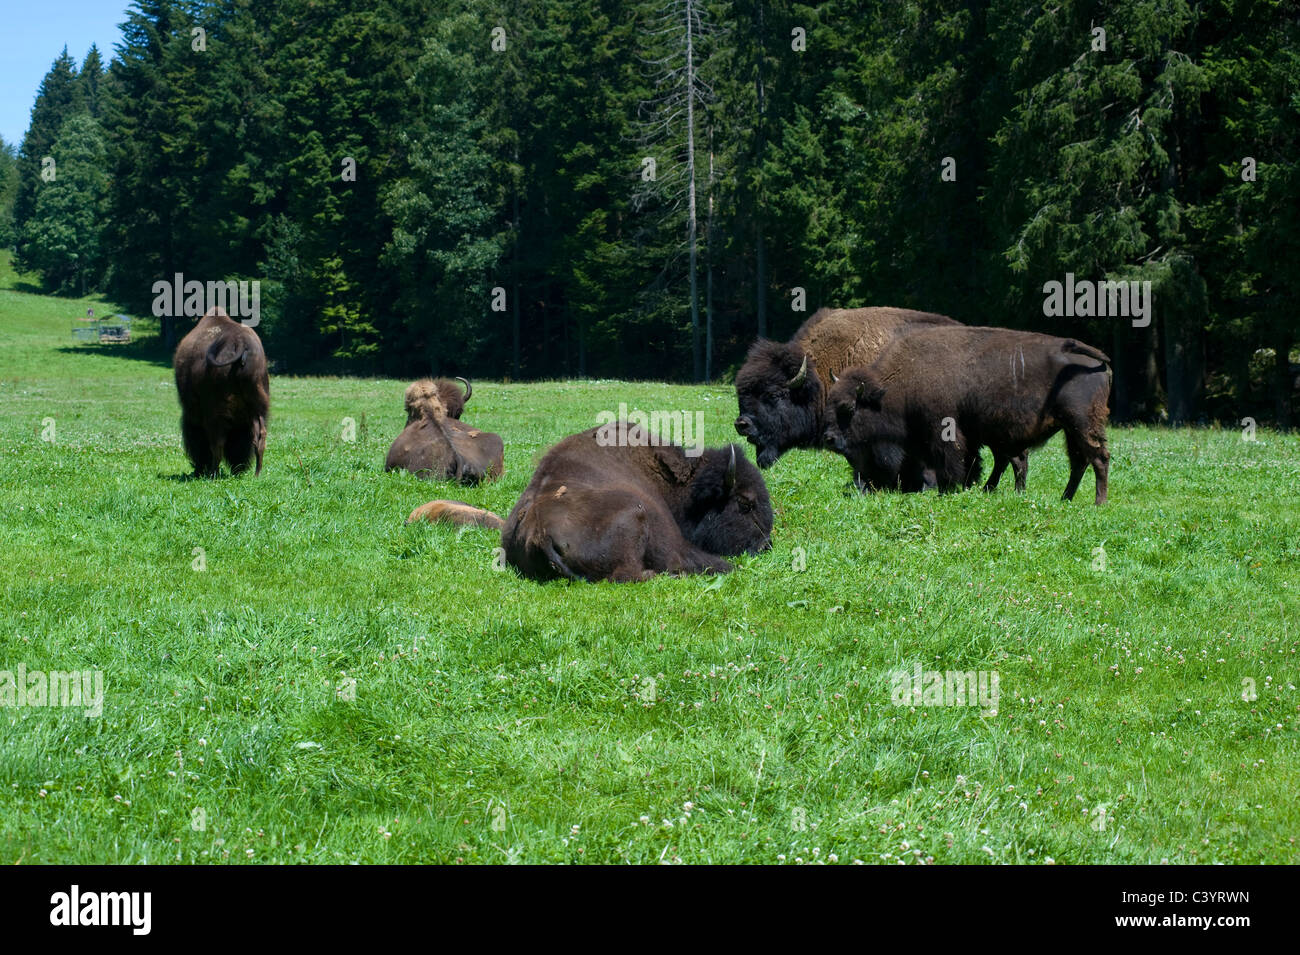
x,y
744,718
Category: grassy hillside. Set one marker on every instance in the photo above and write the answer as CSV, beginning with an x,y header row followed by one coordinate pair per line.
x,y
744,718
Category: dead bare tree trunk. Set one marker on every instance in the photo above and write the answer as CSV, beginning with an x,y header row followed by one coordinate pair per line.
x,y
690,175
708,255
669,120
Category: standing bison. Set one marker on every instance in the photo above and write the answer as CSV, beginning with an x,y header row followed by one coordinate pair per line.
x,y
937,395
781,388
225,394
437,446
608,504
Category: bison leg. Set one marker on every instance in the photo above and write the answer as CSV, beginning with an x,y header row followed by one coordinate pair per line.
x,y
240,444
1020,468
1000,463
195,440
1101,468
259,442
216,449
1087,447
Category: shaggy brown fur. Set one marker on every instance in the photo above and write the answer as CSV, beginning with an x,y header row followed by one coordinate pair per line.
x,y
423,394
225,394
605,504
436,446
995,387
777,410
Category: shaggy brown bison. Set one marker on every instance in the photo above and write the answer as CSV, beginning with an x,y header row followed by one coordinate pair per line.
x,y
436,446
225,394
606,504
452,398
937,395
781,388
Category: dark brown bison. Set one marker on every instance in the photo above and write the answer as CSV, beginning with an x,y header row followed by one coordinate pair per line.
x,y
607,504
781,388
937,395
225,394
436,446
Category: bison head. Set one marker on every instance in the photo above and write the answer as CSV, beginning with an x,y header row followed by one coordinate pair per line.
x,y
859,428
780,398
727,510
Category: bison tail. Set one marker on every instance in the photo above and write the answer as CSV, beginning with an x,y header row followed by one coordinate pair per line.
x,y
215,349
455,512
1078,348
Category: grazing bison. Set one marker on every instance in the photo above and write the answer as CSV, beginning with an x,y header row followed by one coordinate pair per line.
x,y
436,446
937,395
781,388
606,504
225,394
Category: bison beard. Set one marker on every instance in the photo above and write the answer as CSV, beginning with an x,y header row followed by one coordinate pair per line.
x,y
624,510
781,389
436,446
938,395
225,394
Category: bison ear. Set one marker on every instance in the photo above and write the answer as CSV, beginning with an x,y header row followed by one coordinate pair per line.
x,y
674,464
870,394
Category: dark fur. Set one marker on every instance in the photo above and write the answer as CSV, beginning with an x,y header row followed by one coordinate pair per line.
x,y
1004,389
436,446
775,417
604,505
225,394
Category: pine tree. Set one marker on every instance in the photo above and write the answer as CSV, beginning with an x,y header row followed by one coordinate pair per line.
x,y
56,101
90,81
8,191
62,237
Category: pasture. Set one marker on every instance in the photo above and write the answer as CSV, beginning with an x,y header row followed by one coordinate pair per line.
x,y
292,675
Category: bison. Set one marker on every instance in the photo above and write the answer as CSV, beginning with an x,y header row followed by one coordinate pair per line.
x,y
435,445
225,394
452,398
609,504
781,388
937,395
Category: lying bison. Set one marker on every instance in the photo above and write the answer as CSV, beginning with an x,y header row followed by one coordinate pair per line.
x,y
225,394
781,388
452,398
436,446
607,504
937,395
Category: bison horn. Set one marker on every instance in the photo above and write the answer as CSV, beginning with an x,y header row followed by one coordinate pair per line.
x,y
469,389
800,377
834,378
730,481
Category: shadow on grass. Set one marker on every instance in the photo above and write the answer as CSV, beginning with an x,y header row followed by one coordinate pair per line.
x,y
22,285
188,476
148,349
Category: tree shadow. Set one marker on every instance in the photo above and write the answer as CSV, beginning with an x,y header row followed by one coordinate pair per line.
x,y
149,349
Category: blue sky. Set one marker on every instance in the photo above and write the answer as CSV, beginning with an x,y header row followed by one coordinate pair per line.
x,y
34,33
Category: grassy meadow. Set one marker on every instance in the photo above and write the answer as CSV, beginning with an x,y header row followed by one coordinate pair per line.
x,y
291,674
